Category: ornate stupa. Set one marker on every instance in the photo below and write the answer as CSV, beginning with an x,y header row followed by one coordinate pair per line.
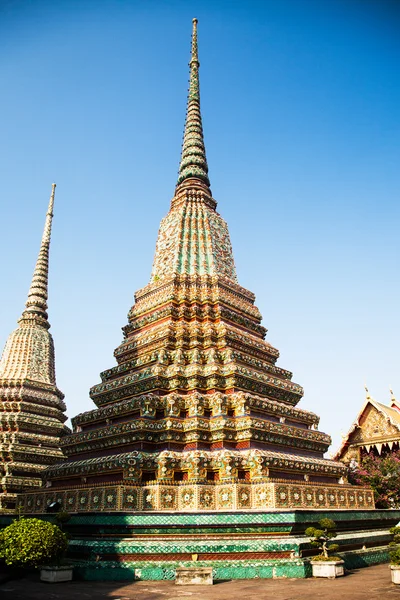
x,y
31,406
196,415
197,455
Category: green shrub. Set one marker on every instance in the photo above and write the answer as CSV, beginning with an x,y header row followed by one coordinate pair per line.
x,y
395,531
32,543
61,518
395,557
319,537
395,553
322,558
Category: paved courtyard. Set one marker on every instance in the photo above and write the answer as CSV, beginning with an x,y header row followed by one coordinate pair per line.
x,y
372,583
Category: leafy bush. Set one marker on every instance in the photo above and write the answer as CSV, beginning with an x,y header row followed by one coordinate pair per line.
x,y
319,537
395,557
395,554
321,558
32,543
61,518
382,473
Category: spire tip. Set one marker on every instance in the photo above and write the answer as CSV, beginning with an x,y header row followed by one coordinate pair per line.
x,y
193,163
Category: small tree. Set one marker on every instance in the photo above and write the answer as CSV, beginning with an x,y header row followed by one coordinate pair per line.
x,y
32,543
61,518
395,553
320,537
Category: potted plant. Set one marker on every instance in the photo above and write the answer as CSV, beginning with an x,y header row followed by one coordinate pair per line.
x,y
28,543
61,518
395,555
324,564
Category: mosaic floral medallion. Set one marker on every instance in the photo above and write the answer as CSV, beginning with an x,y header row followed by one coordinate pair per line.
x,y
96,499
39,503
262,496
83,500
243,498
296,496
207,498
150,498
49,499
225,497
130,498
110,498
187,498
71,501
332,500
168,499
351,498
308,497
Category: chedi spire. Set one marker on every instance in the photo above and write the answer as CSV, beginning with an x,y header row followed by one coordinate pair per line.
x,y
31,406
36,303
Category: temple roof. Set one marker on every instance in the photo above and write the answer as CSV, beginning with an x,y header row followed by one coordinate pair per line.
x,y
390,413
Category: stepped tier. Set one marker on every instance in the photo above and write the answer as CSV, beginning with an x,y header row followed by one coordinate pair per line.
x,y
195,421
199,442
195,333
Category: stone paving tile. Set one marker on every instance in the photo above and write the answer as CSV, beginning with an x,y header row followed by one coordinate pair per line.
x,y
372,583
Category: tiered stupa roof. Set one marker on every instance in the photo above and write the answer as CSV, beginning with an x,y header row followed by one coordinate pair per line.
x,y
196,415
31,405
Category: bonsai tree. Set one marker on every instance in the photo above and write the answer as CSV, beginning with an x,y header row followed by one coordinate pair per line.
x,y
320,538
61,518
395,553
32,543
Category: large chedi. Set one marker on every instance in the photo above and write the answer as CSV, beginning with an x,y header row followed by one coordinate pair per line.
x,y
196,415
31,406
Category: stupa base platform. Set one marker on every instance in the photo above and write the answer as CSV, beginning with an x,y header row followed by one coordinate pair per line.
x,y
222,570
236,545
215,496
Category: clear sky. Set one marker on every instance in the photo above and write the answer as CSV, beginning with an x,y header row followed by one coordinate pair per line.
x,y
300,104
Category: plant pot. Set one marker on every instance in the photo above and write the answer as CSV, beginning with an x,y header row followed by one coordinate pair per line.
x,y
53,574
395,572
327,568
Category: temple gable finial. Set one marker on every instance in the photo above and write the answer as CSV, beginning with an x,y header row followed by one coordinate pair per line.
x,y
394,402
193,163
36,303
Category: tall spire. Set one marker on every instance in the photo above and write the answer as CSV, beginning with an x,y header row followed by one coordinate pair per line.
x,y
29,351
193,163
36,303
32,408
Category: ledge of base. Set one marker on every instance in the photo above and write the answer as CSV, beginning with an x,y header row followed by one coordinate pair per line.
x,y
221,570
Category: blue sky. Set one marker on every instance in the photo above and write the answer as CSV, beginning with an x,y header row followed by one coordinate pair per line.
x,y
300,103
